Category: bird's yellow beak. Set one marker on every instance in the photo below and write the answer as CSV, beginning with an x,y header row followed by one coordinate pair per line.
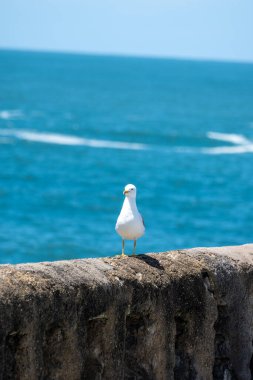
x,y
125,191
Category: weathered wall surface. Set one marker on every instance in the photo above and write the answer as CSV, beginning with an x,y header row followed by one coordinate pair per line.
x,y
174,315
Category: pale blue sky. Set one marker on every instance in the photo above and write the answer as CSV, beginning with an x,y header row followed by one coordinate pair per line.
x,y
215,29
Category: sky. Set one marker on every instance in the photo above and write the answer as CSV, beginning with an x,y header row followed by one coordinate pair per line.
x,y
199,29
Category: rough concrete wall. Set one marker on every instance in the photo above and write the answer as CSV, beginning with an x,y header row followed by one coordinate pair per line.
x,y
173,315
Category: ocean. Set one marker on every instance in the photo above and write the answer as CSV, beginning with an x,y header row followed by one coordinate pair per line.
x,y
75,129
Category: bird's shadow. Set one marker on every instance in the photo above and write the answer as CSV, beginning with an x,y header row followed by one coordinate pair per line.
x,y
150,261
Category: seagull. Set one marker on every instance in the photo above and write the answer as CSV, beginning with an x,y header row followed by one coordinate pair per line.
x,y
130,224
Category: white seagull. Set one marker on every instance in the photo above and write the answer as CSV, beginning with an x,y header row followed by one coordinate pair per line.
x,y
130,224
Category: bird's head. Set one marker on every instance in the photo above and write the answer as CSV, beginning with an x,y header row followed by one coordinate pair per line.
x,y
130,191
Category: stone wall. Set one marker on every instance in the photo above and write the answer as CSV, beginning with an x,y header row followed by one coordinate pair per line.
x,y
174,315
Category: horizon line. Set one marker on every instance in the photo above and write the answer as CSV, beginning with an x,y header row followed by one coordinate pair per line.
x,y
127,55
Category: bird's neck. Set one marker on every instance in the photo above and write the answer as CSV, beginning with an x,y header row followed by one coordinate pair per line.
x,y
130,204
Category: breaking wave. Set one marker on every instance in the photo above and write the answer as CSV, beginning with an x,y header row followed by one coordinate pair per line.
x,y
229,149
54,138
229,137
242,144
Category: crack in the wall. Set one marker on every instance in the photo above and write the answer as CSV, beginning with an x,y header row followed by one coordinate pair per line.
x,y
222,369
251,367
94,362
184,367
136,334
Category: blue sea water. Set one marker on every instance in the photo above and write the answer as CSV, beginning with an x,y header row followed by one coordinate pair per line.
x,y
74,129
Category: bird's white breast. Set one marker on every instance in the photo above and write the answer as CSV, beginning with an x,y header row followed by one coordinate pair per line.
x,y
130,224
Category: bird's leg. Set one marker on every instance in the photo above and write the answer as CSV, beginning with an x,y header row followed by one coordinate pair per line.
x,y
134,253
123,248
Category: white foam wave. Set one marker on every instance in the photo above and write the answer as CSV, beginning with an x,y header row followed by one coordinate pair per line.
x,y
229,137
242,144
53,138
10,114
229,149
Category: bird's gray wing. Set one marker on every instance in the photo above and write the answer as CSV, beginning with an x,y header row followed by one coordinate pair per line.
x,y
143,221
